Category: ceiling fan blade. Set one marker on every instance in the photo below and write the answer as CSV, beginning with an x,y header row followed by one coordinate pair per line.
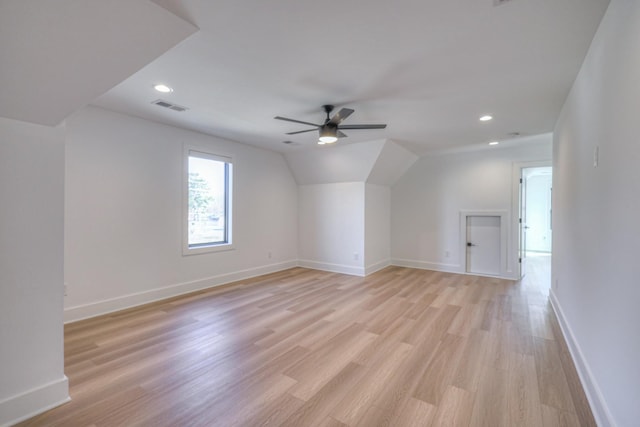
x,y
296,121
341,134
363,127
341,115
302,131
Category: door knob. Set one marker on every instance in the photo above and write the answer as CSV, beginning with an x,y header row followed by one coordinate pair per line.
x,y
470,244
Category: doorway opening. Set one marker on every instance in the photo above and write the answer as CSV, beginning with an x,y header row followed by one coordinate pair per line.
x,y
535,222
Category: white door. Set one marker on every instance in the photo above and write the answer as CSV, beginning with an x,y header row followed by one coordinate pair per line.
x,y
522,253
483,245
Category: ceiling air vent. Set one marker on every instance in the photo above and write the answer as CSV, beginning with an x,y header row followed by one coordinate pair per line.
x,y
500,2
169,105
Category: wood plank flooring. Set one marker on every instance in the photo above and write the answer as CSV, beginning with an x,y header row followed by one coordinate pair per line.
x,y
402,347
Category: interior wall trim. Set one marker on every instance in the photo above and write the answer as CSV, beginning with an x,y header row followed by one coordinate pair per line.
x,y
377,266
334,268
427,265
596,400
73,314
445,268
33,402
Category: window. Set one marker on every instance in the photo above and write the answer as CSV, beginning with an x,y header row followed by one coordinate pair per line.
x,y
207,202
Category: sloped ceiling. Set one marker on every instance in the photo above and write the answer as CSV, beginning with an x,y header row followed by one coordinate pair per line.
x,y
345,163
427,68
392,162
57,56
377,162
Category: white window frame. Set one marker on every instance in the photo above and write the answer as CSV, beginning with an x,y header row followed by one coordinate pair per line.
x,y
206,153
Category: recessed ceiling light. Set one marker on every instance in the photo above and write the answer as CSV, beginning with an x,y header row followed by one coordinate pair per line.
x,y
163,88
486,118
494,143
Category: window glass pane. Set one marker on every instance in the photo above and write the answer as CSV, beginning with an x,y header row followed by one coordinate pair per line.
x,y
208,202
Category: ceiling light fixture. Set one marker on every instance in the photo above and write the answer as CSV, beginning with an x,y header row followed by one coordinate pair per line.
x,y
162,88
494,143
486,118
328,134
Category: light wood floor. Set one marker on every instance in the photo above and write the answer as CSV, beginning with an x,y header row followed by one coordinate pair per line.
x,y
401,347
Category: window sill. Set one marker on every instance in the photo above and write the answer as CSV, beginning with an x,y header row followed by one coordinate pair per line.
x,y
208,249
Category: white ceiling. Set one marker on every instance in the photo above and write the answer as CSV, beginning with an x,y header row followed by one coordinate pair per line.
x,y
57,56
428,69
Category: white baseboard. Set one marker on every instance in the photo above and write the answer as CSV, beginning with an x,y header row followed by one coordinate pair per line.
x,y
345,269
598,405
445,268
376,266
33,402
72,314
425,265
334,268
85,311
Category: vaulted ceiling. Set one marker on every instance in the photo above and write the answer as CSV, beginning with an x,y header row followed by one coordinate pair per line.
x,y
57,56
428,69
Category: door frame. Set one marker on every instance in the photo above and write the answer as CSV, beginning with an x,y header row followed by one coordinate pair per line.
x,y
504,234
516,197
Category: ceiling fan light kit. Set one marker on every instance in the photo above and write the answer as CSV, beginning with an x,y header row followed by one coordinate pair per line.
x,y
328,134
330,130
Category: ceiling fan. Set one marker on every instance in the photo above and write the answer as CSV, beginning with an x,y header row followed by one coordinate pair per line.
x,y
331,129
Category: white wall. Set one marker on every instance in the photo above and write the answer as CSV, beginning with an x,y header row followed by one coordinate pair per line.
x,y
596,286
344,204
123,214
377,227
427,201
31,269
331,226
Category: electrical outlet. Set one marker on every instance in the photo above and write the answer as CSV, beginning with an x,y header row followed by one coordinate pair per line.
x,y
447,254
66,289
356,256
555,285
269,255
